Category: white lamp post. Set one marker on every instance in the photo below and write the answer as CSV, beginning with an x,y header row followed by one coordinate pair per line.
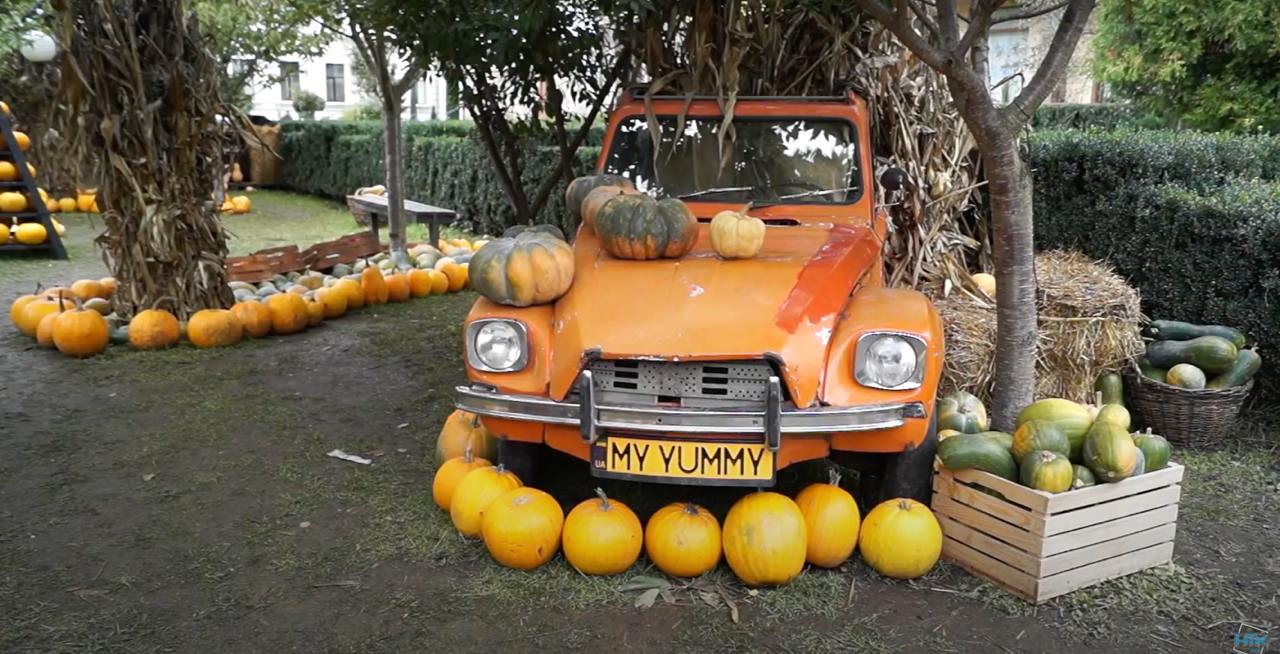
x,y
38,47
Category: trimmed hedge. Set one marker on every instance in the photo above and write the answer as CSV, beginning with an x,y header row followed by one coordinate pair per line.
x,y
1191,219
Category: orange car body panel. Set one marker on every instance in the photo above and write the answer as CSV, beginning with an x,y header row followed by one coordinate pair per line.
x,y
803,302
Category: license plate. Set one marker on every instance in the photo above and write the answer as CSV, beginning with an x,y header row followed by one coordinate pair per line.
x,y
715,463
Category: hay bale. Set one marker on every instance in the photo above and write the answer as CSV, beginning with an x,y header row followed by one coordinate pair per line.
x,y
1089,322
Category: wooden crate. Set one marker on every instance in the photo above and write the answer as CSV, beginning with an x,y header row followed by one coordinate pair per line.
x,y
347,249
252,268
1040,545
283,259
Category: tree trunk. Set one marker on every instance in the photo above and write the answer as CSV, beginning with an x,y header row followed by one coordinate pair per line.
x,y
395,178
1016,330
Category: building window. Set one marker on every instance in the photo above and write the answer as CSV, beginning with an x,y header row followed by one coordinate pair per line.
x,y
242,68
289,80
1007,56
335,83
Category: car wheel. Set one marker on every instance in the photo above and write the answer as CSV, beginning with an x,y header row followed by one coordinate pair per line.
x,y
910,474
520,458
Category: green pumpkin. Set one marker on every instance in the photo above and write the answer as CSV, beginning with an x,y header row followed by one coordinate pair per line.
x,y
1185,375
1110,454
1082,477
1047,471
962,412
1113,414
532,268
1155,450
1071,417
639,227
1111,386
549,230
578,189
977,452
1037,435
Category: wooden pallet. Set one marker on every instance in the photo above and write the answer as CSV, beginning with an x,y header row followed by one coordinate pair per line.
x,y
347,249
265,264
1040,545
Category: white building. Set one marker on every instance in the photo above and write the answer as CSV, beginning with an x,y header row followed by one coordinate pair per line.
x,y
1015,49
330,76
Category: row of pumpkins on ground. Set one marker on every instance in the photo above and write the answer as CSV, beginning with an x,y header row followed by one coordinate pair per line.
x,y
77,320
766,538
1198,357
1058,445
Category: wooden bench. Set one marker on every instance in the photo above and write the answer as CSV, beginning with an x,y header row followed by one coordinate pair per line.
x,y
415,212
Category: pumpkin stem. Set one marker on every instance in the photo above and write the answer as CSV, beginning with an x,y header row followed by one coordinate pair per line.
x,y
691,508
1097,398
466,454
833,476
904,504
604,499
156,305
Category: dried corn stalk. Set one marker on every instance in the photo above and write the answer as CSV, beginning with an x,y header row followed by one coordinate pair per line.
x,y
777,47
139,96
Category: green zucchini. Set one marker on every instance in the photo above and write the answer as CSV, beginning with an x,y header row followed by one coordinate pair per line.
x,y
1245,367
1173,330
978,452
1149,371
1212,354
1004,439
1111,387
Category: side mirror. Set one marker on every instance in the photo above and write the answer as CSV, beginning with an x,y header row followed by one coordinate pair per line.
x,y
893,179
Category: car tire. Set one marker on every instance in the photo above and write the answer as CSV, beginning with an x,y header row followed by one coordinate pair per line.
x,y
910,474
520,458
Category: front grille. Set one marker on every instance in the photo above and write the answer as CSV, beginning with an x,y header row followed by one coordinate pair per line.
x,y
694,383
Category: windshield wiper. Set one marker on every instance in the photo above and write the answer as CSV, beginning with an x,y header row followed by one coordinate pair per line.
x,y
811,194
708,191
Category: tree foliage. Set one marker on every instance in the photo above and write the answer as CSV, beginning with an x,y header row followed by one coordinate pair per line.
x,y
1212,65
257,35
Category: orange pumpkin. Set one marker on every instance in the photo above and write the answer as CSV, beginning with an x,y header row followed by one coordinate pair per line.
x,y
86,289
477,490
108,286
602,536
214,328
87,199
60,292
23,141
374,286
831,521
420,283
352,289
333,300
450,474
397,287
462,430
682,539
44,332
455,273
254,317
901,539
288,313
34,312
15,309
81,333
764,539
154,329
66,205
315,313
521,529
439,282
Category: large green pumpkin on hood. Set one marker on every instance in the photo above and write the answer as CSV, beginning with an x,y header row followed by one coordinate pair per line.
x,y
639,227
578,189
533,267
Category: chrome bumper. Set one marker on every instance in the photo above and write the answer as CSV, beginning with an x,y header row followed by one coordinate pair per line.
x,y
771,423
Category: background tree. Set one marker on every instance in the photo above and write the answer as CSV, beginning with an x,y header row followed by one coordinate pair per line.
x,y
249,39
518,71
955,45
1210,65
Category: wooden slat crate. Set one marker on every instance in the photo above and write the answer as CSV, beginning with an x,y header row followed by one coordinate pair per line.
x,y
252,268
283,259
347,249
1040,545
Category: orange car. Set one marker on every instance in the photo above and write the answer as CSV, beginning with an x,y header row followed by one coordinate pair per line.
x,y
701,370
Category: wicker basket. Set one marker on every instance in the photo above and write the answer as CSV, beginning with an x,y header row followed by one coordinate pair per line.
x,y
1189,418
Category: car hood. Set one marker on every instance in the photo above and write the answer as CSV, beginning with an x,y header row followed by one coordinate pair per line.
x,y
782,304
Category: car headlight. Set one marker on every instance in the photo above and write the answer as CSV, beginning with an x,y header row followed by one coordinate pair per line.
x,y
889,361
497,345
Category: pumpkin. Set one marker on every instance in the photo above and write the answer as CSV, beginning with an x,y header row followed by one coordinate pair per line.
x,y
1036,435
1070,417
315,312
23,141
4,234
44,331
374,285
597,198
31,234
639,227
15,309
297,289
85,289
1155,450
352,289
289,313
99,304
531,268
578,190
454,274
983,451
439,282
153,329
254,317
8,171
66,205
602,536
58,227
397,287
81,333
765,539
683,539
1046,471
462,430
1185,375
963,412
1110,453
735,235
477,490
521,529
986,282
214,328
11,202
108,286
333,300
420,283
1082,477
241,204
450,474
87,200
901,539
831,521
33,312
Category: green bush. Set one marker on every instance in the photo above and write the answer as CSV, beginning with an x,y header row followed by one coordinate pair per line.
x,y
1191,219
1106,115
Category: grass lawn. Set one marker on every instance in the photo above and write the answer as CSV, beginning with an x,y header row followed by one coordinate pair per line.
x,y
184,501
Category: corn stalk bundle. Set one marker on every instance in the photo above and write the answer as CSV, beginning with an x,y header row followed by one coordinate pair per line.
x,y
139,96
820,47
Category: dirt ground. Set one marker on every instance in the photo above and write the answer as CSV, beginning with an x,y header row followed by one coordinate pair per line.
x,y
182,501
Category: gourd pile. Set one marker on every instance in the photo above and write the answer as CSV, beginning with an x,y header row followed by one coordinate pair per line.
x,y
286,304
1198,357
30,232
239,204
1058,445
766,538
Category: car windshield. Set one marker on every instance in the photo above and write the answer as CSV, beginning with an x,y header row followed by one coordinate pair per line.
x,y
789,160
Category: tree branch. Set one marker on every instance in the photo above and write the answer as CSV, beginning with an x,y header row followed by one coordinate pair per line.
x,y
979,25
949,21
898,21
1029,13
1054,64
